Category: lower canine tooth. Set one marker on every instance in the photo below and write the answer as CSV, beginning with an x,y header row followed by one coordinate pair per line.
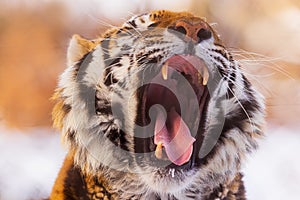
x,y
158,150
164,71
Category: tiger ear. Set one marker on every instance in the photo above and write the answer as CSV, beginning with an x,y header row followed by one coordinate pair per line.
x,y
78,47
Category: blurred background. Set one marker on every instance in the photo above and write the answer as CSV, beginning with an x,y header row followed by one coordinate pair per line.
x,y
263,34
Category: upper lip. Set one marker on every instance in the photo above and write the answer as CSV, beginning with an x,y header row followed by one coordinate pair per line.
x,y
195,67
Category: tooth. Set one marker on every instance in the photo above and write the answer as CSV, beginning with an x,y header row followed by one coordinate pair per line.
x,y
205,76
158,150
164,71
200,80
205,81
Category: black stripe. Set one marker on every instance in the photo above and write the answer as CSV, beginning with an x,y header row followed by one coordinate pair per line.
x,y
142,20
115,61
86,93
83,65
74,184
71,136
153,25
231,58
117,137
123,141
222,53
221,71
147,60
124,31
109,77
66,108
237,118
132,23
221,61
105,47
125,48
77,66
104,110
247,85
231,79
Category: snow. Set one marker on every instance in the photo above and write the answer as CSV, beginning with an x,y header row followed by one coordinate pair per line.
x,y
273,172
29,163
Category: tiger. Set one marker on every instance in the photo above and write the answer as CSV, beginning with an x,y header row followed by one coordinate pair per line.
x,y
157,108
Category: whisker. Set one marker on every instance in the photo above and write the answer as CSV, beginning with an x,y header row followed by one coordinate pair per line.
x,y
259,60
275,67
243,108
238,86
101,22
131,14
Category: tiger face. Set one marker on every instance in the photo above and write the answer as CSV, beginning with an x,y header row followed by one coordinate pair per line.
x,y
158,105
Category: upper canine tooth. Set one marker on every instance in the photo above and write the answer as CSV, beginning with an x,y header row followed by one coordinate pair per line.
x,y
164,71
205,76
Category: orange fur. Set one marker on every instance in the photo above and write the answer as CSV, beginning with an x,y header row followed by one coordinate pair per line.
x,y
58,114
59,185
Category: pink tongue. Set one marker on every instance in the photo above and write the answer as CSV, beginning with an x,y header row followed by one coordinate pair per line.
x,y
177,139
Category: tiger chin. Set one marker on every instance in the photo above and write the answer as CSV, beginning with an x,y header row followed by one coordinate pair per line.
x,y
155,109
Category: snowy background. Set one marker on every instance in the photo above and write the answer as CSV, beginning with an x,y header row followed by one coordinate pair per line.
x,y
34,37
272,173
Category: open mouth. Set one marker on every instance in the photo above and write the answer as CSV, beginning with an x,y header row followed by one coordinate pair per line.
x,y
174,103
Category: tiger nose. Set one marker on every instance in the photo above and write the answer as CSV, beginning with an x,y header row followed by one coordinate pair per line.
x,y
190,31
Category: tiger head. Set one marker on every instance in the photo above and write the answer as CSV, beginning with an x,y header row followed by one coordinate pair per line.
x,y
159,98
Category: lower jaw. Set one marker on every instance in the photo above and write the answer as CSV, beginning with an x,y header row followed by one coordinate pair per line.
x,y
169,181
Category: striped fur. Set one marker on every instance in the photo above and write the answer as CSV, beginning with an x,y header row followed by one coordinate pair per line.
x,y
97,109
